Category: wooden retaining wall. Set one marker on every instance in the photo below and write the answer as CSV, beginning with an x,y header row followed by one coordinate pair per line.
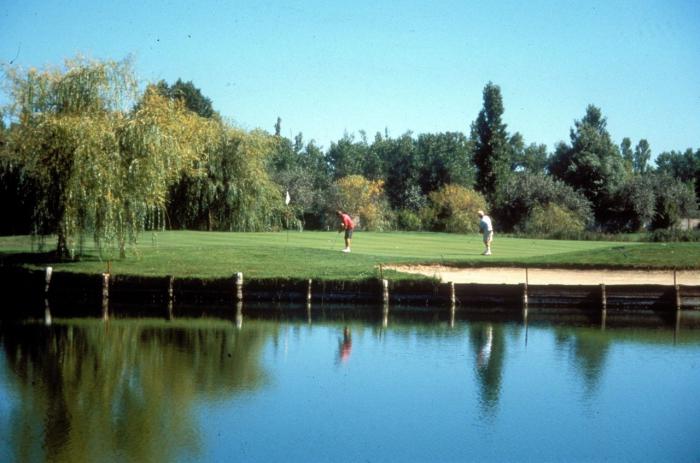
x,y
71,294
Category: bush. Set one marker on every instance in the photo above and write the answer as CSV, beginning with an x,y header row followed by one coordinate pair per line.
x,y
553,221
408,220
522,192
674,200
666,235
632,205
358,196
452,209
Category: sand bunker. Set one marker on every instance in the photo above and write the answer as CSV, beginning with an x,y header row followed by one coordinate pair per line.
x,y
548,276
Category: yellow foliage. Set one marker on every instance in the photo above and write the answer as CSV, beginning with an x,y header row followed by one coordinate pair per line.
x,y
364,198
453,209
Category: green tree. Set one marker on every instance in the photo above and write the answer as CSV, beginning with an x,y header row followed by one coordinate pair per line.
x,y
680,165
531,158
592,164
346,156
99,167
633,205
675,199
190,95
402,166
492,153
307,178
642,154
627,154
444,158
238,194
525,191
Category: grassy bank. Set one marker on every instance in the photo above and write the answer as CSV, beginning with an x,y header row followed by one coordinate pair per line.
x,y
317,254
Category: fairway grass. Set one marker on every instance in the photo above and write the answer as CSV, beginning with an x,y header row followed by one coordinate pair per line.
x,y
316,255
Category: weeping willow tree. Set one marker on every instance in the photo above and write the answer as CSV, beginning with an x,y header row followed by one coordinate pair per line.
x,y
100,167
235,193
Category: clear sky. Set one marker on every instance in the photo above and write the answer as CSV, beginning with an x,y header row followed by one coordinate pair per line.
x,y
329,67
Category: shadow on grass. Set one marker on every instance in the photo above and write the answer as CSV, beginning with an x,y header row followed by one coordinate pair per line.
x,y
19,259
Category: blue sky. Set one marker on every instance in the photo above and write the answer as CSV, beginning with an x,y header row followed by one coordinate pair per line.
x,y
329,67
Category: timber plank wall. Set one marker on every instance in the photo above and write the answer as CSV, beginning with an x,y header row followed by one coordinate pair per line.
x,y
72,294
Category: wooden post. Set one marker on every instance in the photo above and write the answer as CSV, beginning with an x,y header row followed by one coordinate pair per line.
x,y
385,303
239,286
47,313
453,304
105,296
47,279
525,299
171,281
603,297
677,290
308,303
385,292
239,314
603,319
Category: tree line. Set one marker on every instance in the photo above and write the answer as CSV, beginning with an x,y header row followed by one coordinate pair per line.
x,y
86,154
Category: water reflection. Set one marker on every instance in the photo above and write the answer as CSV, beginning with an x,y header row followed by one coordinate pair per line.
x,y
91,391
345,346
587,354
145,390
488,344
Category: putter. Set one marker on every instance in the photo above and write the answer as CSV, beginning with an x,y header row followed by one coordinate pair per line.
x,y
333,242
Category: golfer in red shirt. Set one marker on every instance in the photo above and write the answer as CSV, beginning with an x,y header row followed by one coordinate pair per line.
x,y
346,224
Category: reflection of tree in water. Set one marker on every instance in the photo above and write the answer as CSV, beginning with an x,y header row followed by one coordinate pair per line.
x,y
488,343
589,350
91,391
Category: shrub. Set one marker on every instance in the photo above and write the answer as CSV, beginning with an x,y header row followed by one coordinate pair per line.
x,y
407,219
358,196
665,235
553,221
522,192
453,208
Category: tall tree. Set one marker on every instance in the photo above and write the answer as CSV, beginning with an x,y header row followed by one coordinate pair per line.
x,y
680,165
592,164
642,154
531,158
402,167
190,95
492,154
445,158
347,157
627,154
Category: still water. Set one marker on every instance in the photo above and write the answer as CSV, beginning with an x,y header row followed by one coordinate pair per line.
x,y
349,390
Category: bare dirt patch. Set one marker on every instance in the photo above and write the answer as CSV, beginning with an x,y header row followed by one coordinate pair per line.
x,y
548,276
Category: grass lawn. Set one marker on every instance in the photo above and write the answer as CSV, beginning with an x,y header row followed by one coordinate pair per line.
x,y
317,255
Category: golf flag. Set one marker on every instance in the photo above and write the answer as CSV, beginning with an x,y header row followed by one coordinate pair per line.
x,y
287,198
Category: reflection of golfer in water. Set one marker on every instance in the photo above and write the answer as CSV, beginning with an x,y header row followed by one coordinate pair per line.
x,y
345,345
484,355
488,345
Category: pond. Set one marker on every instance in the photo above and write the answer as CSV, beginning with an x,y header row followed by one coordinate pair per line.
x,y
347,389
